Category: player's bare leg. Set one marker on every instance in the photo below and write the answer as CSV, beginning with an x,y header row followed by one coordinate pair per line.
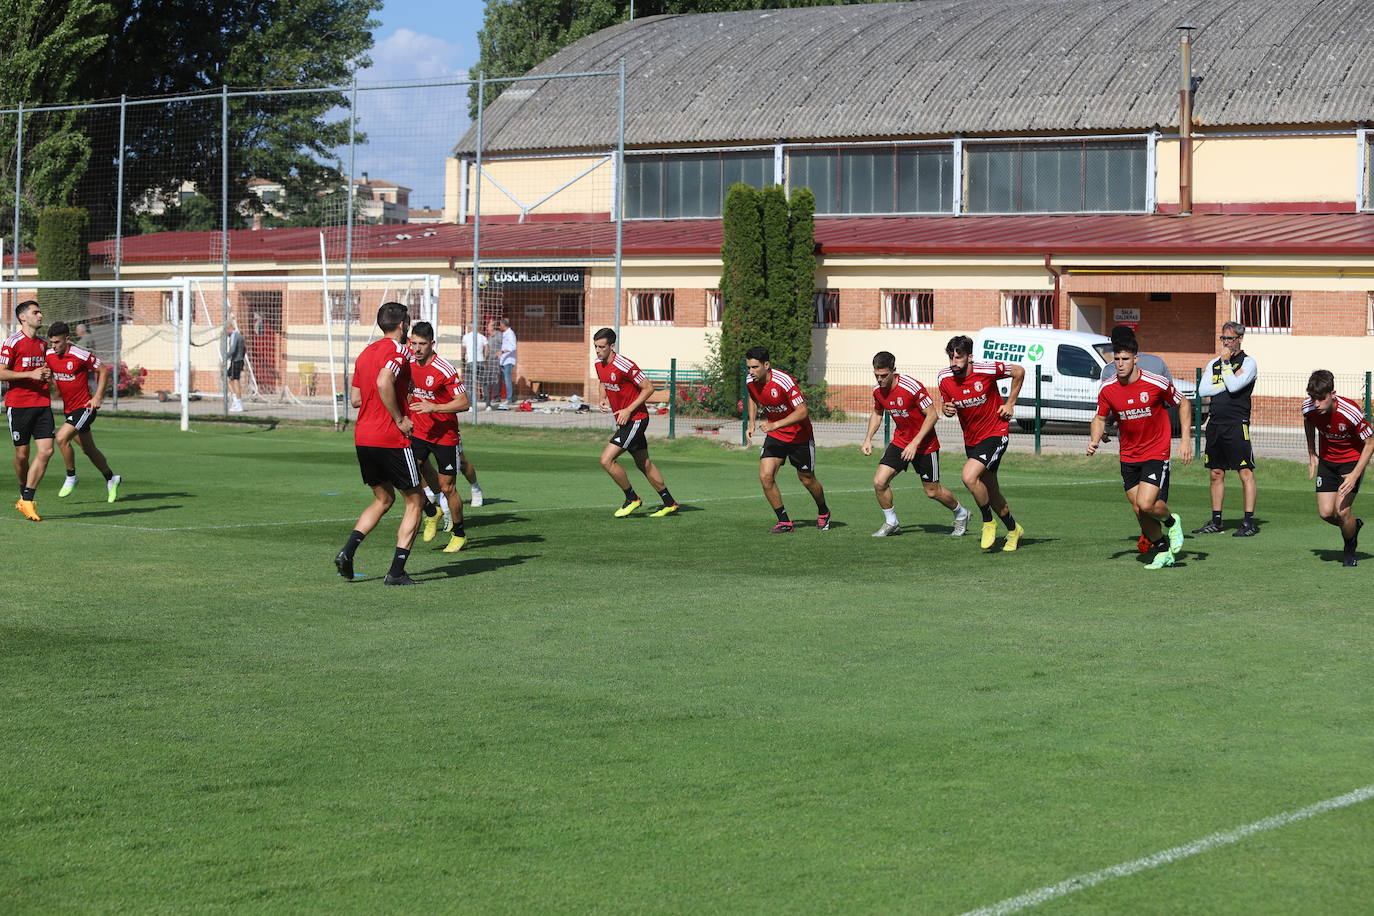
x,y
667,505
37,463
1216,486
882,490
611,465
1249,491
1339,511
813,486
92,453
432,505
1145,499
449,490
768,478
942,495
405,537
21,464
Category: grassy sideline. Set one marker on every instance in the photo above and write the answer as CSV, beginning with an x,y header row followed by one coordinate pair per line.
x,y
680,714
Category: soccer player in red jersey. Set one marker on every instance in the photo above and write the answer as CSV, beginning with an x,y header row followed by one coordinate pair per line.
x,y
28,406
627,391
71,369
969,391
436,398
381,437
1338,462
914,443
1141,402
787,436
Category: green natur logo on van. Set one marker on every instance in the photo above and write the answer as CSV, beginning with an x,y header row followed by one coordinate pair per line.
x,y
1012,352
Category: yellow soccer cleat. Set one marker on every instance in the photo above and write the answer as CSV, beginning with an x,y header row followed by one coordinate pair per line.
x,y
26,509
68,486
431,527
664,510
1014,538
630,506
455,543
989,534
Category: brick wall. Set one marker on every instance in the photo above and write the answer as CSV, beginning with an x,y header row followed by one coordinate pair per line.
x,y
967,309
1330,313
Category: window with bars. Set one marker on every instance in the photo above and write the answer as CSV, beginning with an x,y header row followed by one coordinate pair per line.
x,y
827,308
569,313
715,308
652,306
1030,310
909,309
1265,313
336,307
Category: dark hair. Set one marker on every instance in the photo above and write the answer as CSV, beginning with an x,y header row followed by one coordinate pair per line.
x,y
503,321
605,334
1123,340
23,307
884,360
59,329
758,353
1321,384
423,330
391,316
960,344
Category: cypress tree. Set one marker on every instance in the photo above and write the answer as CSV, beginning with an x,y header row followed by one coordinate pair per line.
x,y
802,278
62,255
742,287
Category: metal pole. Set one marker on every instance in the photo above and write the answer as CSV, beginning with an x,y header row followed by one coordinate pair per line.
x,y
1366,393
348,243
119,250
618,200
672,398
744,407
1037,408
477,229
18,189
1197,413
224,226
185,356
887,429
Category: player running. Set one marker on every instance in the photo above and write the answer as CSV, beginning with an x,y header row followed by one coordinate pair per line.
x,y
436,398
381,437
1338,462
28,405
1141,402
914,443
627,390
969,390
787,436
71,369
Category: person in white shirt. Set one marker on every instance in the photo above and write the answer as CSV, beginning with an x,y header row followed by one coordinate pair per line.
x,y
507,356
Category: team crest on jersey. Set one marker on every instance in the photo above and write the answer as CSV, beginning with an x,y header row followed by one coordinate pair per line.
x,y
899,400
978,386
772,392
613,376
1340,427
429,381
70,365
1144,397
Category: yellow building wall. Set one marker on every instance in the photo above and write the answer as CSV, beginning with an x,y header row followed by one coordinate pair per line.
x,y
529,180
1262,169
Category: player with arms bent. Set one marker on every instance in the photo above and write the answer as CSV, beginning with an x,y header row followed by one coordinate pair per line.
x,y
1141,402
71,369
1339,461
28,406
969,390
627,390
381,436
436,397
787,436
914,443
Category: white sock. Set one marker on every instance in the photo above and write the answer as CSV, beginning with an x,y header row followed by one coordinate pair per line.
x,y
957,508
429,495
890,515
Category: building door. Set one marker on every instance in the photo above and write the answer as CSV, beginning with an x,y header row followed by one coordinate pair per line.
x,y
1088,314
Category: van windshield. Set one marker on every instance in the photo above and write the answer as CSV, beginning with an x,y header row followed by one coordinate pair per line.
x,y
1105,349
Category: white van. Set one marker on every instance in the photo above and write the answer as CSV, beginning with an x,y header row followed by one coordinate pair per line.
x,y
1071,369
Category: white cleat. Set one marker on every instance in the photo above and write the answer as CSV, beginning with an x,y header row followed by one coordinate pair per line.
x,y
476,497
887,530
960,522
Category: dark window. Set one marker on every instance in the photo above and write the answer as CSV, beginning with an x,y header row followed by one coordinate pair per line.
x,y
1055,177
827,308
1077,362
892,179
569,310
652,306
681,185
1030,310
1265,312
908,309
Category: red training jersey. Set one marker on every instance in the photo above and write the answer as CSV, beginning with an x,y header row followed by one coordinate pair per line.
x,y
976,399
1142,415
72,372
777,397
22,353
622,380
435,381
374,426
1341,433
907,401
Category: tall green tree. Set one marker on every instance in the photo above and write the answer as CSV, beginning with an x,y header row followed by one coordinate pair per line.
x,y
742,285
801,220
517,35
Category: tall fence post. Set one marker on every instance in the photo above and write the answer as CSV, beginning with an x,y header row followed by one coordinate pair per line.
x,y
224,229
348,243
1366,392
18,189
672,398
477,228
1197,413
1038,415
887,429
744,407
119,253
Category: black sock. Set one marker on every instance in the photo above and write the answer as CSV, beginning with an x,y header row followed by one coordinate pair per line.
x,y
354,540
27,493
666,497
822,509
1216,516
781,512
458,530
1352,542
1169,522
430,509
630,495
1249,516
1161,544
109,475
987,512
398,562
1009,521
71,472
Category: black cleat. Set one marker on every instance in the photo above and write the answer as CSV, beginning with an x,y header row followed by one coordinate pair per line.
x,y
1211,528
1349,560
402,579
344,564
1247,529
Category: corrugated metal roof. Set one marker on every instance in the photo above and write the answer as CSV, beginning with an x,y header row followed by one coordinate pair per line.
x,y
941,67
1344,235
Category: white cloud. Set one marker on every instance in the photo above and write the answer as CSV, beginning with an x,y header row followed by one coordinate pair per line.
x,y
409,55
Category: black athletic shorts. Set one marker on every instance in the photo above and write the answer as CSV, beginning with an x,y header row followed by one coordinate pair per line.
x,y
235,369
801,455
395,466
989,451
1331,476
83,418
927,464
1229,448
445,456
29,423
630,436
1151,472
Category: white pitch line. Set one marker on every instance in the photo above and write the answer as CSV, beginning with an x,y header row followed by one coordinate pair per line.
x,y
1207,843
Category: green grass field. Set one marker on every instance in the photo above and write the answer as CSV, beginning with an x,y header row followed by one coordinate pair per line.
x,y
673,715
